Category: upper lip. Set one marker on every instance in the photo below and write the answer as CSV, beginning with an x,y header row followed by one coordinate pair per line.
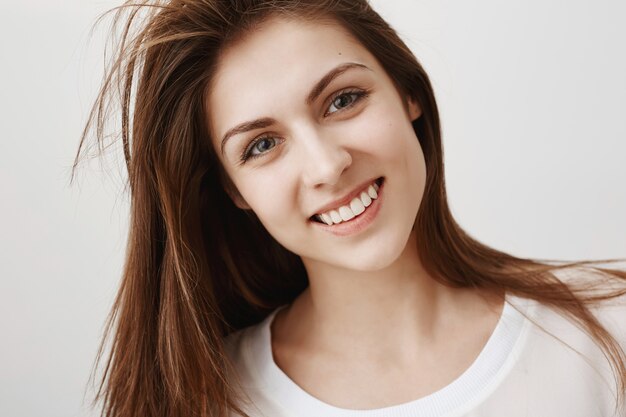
x,y
343,201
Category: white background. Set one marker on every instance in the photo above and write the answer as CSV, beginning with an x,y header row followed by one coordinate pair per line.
x,y
533,102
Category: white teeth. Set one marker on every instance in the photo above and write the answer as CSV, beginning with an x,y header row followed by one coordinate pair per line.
x,y
345,213
326,219
357,207
335,217
372,192
365,198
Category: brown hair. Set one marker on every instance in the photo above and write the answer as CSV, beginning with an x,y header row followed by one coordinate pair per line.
x,y
197,267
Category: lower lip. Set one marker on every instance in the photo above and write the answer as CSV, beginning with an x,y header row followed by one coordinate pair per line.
x,y
360,222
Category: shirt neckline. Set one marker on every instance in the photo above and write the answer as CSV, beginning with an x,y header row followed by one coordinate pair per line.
x,y
479,379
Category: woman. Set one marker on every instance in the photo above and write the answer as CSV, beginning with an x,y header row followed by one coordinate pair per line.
x,y
291,249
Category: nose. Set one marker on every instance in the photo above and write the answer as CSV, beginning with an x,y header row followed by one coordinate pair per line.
x,y
325,159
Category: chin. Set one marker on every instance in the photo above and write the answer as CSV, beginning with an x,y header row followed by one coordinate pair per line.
x,y
371,256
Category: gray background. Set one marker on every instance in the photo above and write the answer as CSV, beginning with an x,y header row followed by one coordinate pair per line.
x,y
532,96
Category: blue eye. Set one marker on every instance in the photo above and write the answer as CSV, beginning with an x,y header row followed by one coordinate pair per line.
x,y
264,144
258,147
344,100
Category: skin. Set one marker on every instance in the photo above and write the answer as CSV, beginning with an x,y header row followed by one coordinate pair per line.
x,y
335,340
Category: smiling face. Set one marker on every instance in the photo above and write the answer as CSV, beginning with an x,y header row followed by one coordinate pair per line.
x,y
310,129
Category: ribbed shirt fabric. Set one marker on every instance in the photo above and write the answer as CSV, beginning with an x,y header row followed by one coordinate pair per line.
x,y
521,371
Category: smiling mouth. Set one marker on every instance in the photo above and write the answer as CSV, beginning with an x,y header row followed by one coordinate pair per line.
x,y
352,210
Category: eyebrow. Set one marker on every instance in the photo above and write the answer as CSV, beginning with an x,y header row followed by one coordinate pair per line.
x,y
246,127
329,77
317,89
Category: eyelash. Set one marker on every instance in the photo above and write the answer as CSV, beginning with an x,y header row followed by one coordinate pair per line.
x,y
358,96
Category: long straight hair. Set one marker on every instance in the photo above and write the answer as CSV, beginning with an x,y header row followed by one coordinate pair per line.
x,y
197,267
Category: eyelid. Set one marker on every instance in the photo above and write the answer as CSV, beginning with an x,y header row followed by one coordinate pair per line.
x,y
246,155
360,94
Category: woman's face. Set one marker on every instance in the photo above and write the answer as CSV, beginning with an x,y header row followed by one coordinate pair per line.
x,y
304,120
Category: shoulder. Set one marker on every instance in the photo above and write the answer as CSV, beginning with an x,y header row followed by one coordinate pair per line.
x,y
249,353
603,292
245,350
564,349
557,363
236,345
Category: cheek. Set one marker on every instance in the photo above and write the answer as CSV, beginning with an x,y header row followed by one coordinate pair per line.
x,y
272,197
273,200
388,134
264,196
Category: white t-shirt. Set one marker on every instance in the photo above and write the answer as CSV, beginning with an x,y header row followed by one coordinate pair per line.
x,y
522,371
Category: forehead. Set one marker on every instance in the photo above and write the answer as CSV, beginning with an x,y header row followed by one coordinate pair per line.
x,y
277,62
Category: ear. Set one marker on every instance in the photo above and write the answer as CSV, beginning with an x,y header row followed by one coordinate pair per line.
x,y
415,110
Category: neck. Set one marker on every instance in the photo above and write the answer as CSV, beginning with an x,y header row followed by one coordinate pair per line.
x,y
393,309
